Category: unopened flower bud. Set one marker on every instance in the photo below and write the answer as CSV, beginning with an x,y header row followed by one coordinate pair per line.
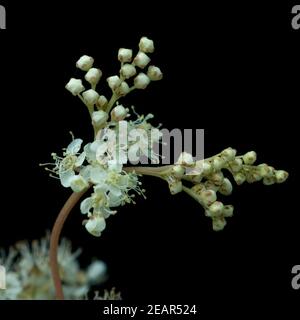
x,y
95,225
206,168
178,171
154,73
228,211
141,81
128,71
78,183
185,159
93,76
216,209
264,170
119,113
175,187
228,154
102,102
250,178
85,63
141,60
218,163
239,178
236,165
113,82
217,178
198,188
90,96
269,181
99,118
250,157
211,186
75,86
218,224
146,45
208,196
123,89
281,176
226,187
124,55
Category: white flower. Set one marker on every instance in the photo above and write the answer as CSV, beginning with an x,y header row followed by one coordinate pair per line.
x,y
99,118
29,276
141,81
95,225
70,162
141,60
75,86
154,73
111,148
78,183
13,287
85,63
90,96
128,71
125,55
146,45
119,113
113,82
102,101
93,76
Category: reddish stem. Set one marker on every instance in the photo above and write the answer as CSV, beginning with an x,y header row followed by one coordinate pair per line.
x,y
54,240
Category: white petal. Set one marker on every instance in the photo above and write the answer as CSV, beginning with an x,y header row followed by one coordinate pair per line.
x,y
115,191
78,183
133,153
85,172
101,149
86,205
98,175
95,226
74,146
100,188
115,165
65,177
90,154
114,201
80,159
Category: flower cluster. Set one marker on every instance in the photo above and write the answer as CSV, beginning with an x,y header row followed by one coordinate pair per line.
x,y
117,140
207,179
28,274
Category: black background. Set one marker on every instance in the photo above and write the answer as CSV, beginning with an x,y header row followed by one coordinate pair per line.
x,y
232,69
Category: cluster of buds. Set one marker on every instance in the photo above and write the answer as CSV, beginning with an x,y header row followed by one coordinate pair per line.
x,y
208,179
98,105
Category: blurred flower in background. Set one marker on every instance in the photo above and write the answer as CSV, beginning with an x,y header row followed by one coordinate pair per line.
x,y
28,274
